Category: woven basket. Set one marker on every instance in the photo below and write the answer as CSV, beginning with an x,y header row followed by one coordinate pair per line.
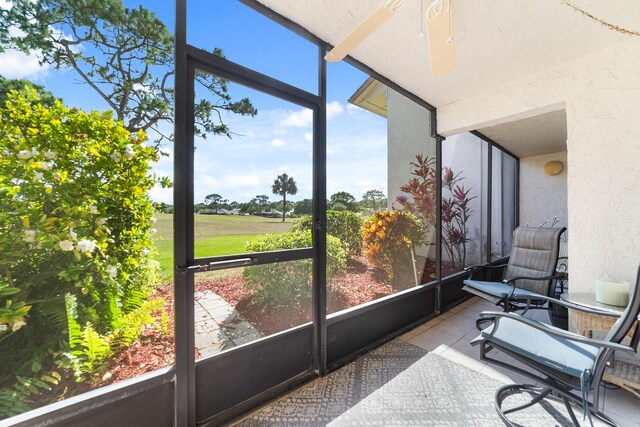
x,y
625,375
584,323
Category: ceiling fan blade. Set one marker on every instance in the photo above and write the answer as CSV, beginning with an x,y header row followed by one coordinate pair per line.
x,y
362,31
440,33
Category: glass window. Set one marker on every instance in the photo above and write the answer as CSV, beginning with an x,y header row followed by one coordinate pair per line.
x,y
380,188
250,39
464,202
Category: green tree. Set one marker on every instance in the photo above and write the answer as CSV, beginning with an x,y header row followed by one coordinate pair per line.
x,y
124,55
213,199
6,85
373,199
343,201
262,200
283,185
304,207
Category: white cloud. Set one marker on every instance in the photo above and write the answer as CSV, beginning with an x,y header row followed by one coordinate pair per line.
x,y
241,181
364,184
333,185
18,65
332,150
354,109
277,142
159,194
308,136
299,119
334,108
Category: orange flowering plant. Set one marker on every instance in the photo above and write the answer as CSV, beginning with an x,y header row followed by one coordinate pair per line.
x,y
389,239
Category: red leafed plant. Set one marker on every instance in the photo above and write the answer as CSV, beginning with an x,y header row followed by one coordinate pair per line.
x,y
455,205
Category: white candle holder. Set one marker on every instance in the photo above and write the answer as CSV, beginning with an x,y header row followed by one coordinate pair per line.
x,y
612,292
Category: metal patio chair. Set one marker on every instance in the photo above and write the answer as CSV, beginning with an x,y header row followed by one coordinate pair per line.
x,y
529,273
565,365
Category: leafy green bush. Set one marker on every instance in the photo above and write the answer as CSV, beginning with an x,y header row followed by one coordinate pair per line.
x,y
281,283
76,223
344,225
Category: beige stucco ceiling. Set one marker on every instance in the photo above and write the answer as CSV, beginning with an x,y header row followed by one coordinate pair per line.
x,y
543,134
497,41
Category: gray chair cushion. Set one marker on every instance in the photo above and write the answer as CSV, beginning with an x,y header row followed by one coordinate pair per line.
x,y
560,354
534,254
497,289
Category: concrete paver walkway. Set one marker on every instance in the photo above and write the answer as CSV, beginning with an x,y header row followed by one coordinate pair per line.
x,y
218,326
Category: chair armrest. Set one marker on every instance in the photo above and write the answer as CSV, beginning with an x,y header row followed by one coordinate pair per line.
x,y
513,279
470,269
553,331
475,267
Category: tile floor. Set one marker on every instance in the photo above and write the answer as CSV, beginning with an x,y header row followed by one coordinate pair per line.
x,y
449,335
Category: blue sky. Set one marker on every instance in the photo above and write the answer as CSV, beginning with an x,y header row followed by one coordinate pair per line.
x,y
278,139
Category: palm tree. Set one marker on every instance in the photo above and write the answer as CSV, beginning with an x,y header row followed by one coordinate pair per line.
x,y
283,185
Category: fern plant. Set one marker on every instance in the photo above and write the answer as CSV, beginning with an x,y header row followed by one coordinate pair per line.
x,y
15,399
132,324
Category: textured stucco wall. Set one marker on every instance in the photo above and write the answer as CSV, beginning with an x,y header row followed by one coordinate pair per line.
x,y
601,94
466,155
543,197
408,132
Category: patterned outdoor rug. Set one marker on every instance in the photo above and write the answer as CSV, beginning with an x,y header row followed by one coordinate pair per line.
x,y
401,384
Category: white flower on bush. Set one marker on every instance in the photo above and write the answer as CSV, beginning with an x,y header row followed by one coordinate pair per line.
x,y
27,154
93,209
145,252
73,234
66,245
29,236
115,156
111,270
3,327
45,166
102,221
86,245
51,155
128,152
38,176
17,325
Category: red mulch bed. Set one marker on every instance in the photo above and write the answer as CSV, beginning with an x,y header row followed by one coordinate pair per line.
x,y
363,282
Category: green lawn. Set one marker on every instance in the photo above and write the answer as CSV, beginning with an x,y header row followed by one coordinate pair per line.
x,y
215,235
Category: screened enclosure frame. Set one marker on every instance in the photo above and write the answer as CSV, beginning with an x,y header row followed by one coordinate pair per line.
x,y
173,395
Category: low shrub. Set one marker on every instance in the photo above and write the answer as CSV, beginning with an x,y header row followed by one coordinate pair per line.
x,y
344,225
282,283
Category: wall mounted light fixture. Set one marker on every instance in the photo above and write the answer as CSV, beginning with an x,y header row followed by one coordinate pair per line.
x,y
553,167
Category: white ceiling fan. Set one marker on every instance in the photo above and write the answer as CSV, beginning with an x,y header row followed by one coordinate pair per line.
x,y
439,27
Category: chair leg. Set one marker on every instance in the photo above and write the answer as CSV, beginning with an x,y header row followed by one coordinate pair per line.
x,y
540,393
567,404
